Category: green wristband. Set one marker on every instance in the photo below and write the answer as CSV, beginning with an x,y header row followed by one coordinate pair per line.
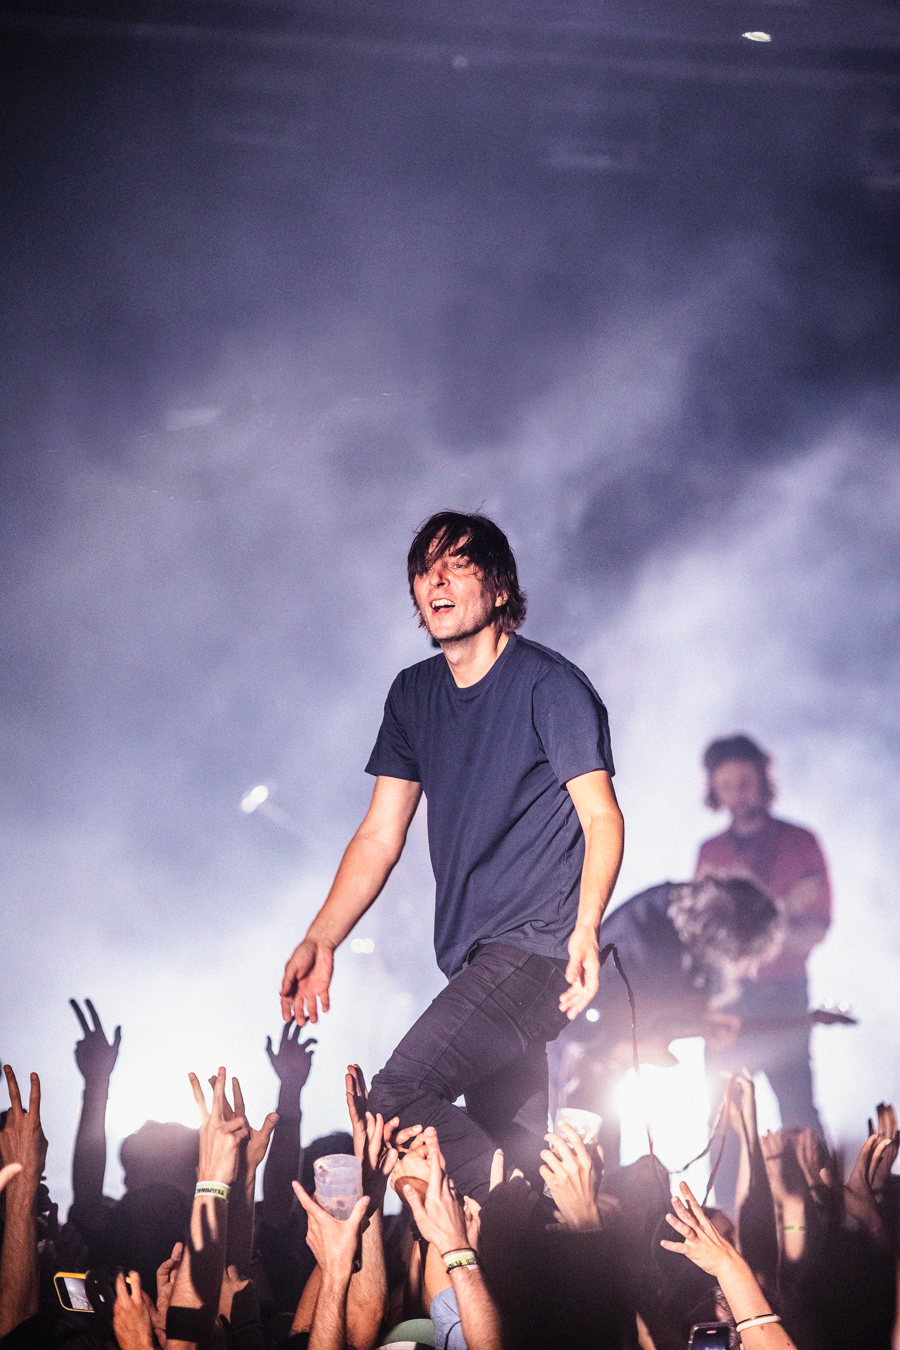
x,y
218,1189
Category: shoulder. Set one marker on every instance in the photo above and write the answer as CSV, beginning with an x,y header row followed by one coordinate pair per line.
x,y
549,667
719,843
793,836
420,676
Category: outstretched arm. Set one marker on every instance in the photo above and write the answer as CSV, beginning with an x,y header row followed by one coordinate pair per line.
x,y
292,1062
604,838
23,1149
367,863
96,1059
758,1327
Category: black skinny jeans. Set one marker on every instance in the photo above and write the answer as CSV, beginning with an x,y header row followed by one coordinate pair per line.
x,y
485,1038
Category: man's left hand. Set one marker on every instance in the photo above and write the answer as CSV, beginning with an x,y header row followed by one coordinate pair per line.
x,y
582,972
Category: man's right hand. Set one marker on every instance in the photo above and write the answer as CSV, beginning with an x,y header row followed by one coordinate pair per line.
x,y
307,976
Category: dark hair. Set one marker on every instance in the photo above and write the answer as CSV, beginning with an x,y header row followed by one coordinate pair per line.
x,y
486,547
742,750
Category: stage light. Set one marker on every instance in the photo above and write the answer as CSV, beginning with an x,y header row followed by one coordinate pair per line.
x,y
592,1015
254,798
755,35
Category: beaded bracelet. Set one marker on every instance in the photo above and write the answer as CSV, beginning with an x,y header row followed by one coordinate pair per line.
x,y
760,1321
214,1188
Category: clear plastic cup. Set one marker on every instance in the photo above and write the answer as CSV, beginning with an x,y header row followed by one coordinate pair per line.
x,y
338,1183
585,1123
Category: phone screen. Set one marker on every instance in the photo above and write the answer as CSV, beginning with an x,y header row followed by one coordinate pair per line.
x,y
70,1291
711,1336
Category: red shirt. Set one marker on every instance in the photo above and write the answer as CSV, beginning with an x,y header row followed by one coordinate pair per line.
x,y
778,857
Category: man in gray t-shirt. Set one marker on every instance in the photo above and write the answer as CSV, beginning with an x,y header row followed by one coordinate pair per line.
x,y
510,744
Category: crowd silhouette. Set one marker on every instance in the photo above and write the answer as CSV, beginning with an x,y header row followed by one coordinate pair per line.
x,y
596,1259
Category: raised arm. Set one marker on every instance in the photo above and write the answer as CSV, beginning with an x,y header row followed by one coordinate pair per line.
x,y
23,1149
367,863
604,836
758,1327
292,1062
96,1059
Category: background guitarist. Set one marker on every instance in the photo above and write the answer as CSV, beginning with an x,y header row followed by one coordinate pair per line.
x,y
787,862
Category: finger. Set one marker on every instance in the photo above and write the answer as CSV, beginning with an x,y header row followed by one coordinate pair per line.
x,y
411,1196
268,1126
218,1098
678,1224
34,1098
359,1211
406,1134
306,1201
80,1015
136,1291
117,1038
269,1051
496,1175
672,1246
121,1288
575,1141
199,1097
12,1087
287,1010
238,1098
308,1043
8,1172
98,1025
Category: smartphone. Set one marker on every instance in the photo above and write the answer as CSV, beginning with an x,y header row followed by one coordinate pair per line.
x,y
72,1294
70,1291
711,1336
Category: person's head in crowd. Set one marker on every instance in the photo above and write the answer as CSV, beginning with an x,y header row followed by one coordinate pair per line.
x,y
339,1142
480,542
729,926
161,1153
739,780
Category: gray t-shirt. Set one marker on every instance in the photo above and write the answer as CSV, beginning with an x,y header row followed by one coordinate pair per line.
x,y
493,760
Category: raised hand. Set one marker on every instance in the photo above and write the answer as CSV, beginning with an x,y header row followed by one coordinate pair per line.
x,y
887,1129
22,1140
307,977
702,1244
165,1283
132,1325
257,1142
292,1060
441,1218
221,1133
95,1055
859,1197
571,1175
333,1242
786,1178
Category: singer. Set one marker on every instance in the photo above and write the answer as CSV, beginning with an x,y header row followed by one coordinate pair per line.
x,y
510,744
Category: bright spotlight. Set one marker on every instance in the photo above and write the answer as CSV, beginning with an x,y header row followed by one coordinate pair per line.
x,y
254,798
592,1015
755,35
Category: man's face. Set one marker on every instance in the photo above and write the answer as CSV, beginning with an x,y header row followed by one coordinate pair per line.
x,y
452,599
739,788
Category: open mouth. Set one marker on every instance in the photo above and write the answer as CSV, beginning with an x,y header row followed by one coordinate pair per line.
x,y
438,605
